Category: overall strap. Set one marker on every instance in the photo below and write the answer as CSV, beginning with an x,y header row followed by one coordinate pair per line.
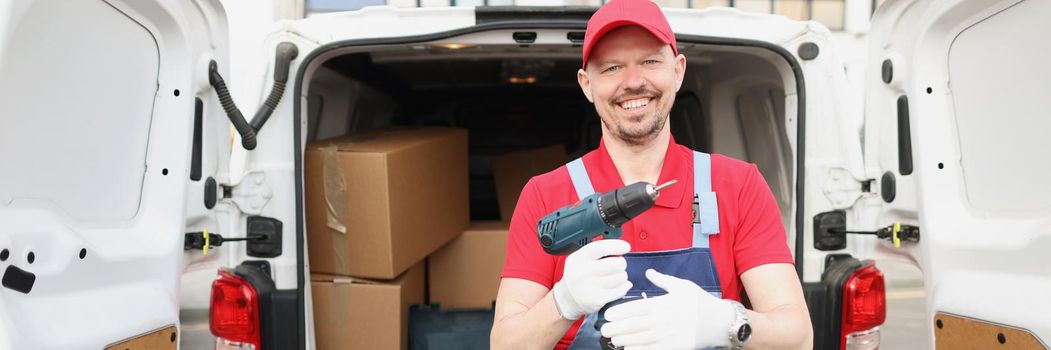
x,y
581,181
705,205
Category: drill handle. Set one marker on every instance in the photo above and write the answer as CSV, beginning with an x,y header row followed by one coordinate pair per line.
x,y
570,228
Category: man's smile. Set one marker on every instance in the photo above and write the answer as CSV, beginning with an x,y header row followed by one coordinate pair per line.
x,y
636,103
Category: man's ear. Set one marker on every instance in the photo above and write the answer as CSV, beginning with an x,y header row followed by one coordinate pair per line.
x,y
680,71
585,84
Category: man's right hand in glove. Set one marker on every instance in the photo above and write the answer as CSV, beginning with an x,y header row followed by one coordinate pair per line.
x,y
593,276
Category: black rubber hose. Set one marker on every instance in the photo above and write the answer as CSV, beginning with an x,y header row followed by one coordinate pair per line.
x,y
286,52
247,132
264,112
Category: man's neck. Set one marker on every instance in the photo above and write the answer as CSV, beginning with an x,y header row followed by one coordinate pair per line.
x,y
639,162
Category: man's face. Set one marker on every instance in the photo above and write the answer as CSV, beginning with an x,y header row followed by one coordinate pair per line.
x,y
632,78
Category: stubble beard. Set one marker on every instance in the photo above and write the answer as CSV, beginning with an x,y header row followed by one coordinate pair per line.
x,y
642,135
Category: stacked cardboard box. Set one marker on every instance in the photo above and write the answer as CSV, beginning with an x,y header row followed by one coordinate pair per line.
x,y
377,204
353,313
511,171
465,273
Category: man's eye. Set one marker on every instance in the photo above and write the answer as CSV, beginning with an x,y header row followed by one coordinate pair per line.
x,y
611,69
650,62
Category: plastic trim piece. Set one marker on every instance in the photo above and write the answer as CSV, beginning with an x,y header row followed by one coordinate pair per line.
x,y
211,193
824,224
904,137
198,135
18,280
887,71
888,187
524,37
808,51
270,229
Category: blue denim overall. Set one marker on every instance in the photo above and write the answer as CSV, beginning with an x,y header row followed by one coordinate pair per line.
x,y
694,263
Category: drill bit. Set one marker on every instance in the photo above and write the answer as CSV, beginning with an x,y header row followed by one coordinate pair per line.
x,y
665,185
655,191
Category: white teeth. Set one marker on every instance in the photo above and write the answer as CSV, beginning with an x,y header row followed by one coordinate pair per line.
x,y
636,103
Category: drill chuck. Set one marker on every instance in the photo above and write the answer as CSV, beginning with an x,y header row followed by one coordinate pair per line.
x,y
618,206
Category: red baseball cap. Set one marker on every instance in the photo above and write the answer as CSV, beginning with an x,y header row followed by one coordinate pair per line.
x,y
619,13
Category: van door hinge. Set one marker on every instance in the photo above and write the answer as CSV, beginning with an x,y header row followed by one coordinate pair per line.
x,y
841,188
251,194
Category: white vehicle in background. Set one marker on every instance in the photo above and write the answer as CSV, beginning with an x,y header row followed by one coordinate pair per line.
x,y
116,149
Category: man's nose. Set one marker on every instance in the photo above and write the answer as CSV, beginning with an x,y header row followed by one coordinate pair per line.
x,y
634,78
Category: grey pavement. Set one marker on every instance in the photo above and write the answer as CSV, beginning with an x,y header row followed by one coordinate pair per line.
x,y
906,325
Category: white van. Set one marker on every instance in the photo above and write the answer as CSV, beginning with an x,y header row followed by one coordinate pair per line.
x,y
116,152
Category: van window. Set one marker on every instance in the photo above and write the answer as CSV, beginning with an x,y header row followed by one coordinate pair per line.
x,y
999,74
76,102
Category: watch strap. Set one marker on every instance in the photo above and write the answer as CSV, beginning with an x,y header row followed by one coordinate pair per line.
x,y
740,321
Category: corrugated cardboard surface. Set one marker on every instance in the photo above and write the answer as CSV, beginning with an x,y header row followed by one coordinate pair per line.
x,y
351,313
466,272
379,202
511,171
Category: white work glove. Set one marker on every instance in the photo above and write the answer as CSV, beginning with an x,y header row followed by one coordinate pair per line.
x,y
685,318
589,281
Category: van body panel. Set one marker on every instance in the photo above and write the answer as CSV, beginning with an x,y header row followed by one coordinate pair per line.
x,y
973,77
100,105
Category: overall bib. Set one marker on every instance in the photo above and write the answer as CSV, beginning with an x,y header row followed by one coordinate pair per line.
x,y
694,264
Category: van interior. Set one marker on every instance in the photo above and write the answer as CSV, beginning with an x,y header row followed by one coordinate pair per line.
x,y
513,97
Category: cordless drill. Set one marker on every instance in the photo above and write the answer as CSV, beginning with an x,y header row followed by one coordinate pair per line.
x,y
569,228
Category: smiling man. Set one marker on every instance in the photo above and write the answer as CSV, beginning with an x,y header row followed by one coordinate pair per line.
x,y
677,273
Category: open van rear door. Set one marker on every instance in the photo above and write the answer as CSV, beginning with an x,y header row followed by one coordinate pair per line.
x,y
112,144
957,138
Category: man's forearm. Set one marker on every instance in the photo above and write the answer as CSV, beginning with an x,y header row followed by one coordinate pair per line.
x,y
784,327
539,327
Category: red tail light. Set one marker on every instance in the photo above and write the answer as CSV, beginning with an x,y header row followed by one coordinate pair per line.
x,y
234,310
864,308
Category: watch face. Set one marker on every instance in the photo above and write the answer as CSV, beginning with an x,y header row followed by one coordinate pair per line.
x,y
744,333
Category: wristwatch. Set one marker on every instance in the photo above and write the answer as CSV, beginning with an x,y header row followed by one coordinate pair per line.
x,y
740,331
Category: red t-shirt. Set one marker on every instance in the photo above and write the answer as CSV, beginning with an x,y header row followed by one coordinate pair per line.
x,y
750,229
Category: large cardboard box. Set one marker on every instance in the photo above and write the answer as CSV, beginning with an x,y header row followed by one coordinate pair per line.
x,y
466,272
352,313
379,202
511,171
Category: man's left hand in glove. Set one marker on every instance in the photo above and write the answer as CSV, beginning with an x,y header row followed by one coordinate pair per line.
x,y
687,317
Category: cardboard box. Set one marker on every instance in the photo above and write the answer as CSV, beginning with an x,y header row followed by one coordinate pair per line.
x,y
352,313
379,202
511,171
466,272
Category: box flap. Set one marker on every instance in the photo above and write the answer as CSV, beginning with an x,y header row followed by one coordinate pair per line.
x,y
385,140
330,278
